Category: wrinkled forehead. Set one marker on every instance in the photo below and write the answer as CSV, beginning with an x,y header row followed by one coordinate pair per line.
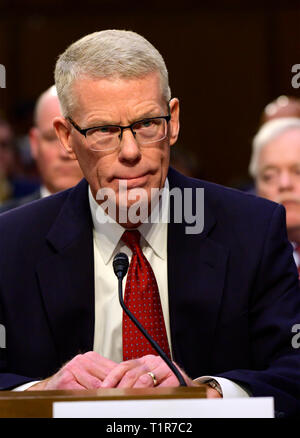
x,y
117,92
80,83
282,150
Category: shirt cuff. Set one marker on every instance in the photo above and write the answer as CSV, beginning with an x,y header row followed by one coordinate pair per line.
x,y
229,389
25,386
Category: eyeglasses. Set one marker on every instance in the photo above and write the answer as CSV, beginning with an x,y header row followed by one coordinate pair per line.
x,y
109,137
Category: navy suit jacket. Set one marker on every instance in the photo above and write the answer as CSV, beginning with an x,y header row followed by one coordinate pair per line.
x,y
233,290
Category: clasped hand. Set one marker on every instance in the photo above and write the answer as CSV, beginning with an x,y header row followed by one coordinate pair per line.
x,y
93,371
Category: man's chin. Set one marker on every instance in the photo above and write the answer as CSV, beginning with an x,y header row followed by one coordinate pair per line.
x,y
293,224
293,231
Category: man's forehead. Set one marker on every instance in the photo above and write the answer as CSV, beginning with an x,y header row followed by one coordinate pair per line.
x,y
89,85
284,143
291,133
111,95
48,109
273,157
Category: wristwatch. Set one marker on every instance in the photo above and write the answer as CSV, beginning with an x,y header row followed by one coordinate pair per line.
x,y
214,384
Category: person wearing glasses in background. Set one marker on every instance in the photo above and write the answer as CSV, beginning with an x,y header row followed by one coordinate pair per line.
x,y
221,302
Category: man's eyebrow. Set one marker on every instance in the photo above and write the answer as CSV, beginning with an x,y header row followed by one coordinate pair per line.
x,y
269,167
149,115
99,123
146,115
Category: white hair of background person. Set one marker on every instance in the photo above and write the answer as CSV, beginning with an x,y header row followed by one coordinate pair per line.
x,y
268,132
107,54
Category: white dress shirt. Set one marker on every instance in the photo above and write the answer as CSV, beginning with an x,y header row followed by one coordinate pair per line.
x,y
44,192
107,243
296,254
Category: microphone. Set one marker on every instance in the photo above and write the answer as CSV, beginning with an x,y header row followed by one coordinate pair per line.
x,y
120,265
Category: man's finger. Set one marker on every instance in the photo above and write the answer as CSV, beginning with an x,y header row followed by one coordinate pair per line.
x,y
113,379
87,363
144,381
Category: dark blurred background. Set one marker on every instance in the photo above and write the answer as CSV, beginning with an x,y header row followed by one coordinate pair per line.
x,y
227,60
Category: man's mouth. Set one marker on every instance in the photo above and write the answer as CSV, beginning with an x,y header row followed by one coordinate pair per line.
x,y
133,181
289,201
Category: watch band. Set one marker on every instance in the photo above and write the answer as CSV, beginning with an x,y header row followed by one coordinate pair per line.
x,y
215,385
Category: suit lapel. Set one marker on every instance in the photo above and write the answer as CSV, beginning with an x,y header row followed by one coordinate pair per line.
x,y
66,276
196,275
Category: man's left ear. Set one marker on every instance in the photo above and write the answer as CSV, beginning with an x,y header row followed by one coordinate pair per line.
x,y
174,122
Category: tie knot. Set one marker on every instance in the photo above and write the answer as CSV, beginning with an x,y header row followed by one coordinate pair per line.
x,y
132,239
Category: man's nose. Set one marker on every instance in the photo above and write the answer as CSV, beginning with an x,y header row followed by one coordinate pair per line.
x,y
285,181
129,148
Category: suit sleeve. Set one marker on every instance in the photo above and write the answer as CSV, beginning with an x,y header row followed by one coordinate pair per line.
x,y
8,380
274,314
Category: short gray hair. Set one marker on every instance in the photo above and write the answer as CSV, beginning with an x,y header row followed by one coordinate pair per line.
x,y
109,53
268,132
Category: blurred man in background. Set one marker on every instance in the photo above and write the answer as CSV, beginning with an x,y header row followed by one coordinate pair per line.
x,y
7,159
281,107
12,184
275,167
57,171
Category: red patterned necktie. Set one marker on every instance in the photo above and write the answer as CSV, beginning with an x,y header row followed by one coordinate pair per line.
x,y
142,299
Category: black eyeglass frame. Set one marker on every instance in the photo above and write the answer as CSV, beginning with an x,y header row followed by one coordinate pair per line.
x,y
85,131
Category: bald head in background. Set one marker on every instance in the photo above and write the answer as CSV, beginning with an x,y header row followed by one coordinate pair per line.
x,y
57,170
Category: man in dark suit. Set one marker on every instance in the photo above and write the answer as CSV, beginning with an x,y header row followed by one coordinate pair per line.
x,y
229,293
12,184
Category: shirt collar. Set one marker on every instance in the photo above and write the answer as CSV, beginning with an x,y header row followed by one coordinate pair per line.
x,y
44,192
110,232
155,231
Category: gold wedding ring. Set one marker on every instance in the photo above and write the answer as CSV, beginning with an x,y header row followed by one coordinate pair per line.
x,y
153,378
